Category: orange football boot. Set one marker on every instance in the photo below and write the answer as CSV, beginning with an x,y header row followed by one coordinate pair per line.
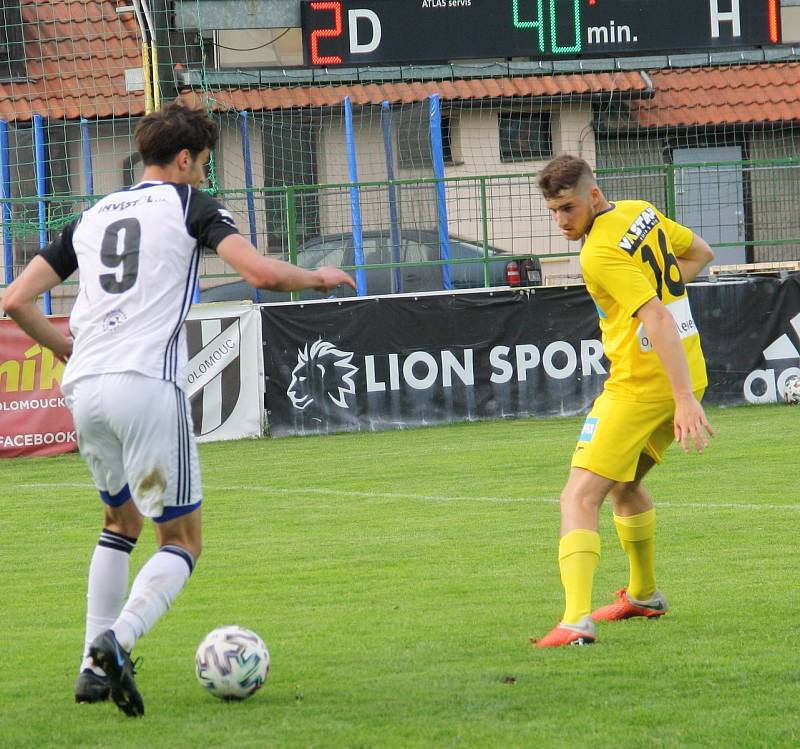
x,y
582,633
625,607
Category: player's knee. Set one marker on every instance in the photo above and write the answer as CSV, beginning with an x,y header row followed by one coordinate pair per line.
x,y
629,494
572,500
620,493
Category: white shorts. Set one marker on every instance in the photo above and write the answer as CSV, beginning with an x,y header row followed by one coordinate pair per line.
x,y
135,434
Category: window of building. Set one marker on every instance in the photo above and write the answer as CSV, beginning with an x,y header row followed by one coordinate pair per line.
x,y
290,158
525,136
414,138
12,47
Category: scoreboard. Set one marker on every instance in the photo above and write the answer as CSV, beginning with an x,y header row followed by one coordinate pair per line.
x,y
381,32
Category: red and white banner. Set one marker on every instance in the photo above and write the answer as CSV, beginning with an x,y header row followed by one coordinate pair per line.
x,y
34,419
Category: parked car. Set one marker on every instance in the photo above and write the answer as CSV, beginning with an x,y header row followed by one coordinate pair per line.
x,y
415,246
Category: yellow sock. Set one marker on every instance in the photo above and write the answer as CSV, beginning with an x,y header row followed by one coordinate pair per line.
x,y
637,535
578,555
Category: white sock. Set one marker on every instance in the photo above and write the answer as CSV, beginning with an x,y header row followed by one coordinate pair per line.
x,y
108,584
152,593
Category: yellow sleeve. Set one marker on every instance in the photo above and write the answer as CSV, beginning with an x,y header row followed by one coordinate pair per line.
x,y
618,275
680,236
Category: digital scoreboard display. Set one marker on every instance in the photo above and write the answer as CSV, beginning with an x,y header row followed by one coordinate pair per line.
x,y
382,32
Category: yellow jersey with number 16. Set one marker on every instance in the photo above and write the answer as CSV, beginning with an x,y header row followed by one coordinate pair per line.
x,y
628,258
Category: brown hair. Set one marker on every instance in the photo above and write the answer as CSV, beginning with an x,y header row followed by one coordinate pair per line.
x,y
563,173
162,135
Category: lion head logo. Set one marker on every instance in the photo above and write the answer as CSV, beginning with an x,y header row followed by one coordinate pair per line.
x,y
322,372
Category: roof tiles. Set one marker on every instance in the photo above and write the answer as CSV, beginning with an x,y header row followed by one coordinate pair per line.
x,y
260,99
76,52
715,96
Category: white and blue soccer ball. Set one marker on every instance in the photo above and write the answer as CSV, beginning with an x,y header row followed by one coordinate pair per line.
x,y
232,662
791,390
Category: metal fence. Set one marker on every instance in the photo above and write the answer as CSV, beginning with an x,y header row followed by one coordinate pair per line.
x,y
745,208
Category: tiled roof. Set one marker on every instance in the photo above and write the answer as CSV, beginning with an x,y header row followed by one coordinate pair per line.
x,y
680,97
259,99
77,52
715,96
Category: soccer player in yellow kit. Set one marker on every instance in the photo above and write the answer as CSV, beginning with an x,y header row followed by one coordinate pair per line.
x,y
635,263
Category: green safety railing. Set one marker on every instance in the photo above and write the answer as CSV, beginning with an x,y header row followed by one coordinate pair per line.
x,y
484,202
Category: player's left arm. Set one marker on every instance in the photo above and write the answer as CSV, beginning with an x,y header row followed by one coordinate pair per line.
x,y
213,226
691,424
19,301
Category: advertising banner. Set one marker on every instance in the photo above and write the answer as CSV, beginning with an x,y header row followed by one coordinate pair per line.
x,y
34,419
395,362
225,373
750,329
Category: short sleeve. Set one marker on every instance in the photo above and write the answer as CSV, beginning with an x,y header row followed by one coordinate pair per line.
x,y
60,253
208,221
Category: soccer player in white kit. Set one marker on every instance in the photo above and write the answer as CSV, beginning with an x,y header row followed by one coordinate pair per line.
x,y
138,251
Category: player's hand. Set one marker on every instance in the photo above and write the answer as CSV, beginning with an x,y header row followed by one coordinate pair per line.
x,y
329,278
691,425
64,351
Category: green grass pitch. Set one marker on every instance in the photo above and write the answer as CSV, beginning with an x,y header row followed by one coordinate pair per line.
x,y
397,577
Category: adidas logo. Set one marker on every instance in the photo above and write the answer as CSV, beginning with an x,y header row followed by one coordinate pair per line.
x,y
768,385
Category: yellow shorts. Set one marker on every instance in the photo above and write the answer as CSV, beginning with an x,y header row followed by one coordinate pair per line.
x,y
617,432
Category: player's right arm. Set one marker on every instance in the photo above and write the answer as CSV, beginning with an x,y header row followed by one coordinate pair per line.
x,y
692,252
19,301
270,273
691,425
693,260
48,269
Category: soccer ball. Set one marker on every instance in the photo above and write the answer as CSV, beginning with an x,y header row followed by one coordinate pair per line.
x,y
791,390
232,662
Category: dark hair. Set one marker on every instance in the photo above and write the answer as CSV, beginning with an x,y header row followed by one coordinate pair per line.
x,y
162,135
563,173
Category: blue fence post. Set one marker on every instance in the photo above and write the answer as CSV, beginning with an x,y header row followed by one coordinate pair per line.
x,y
437,151
248,175
40,165
355,199
5,196
394,219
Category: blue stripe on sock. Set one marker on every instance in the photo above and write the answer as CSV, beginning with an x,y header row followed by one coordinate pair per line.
x,y
179,551
119,536
111,540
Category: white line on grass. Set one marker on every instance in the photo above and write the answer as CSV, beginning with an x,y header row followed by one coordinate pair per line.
x,y
334,492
